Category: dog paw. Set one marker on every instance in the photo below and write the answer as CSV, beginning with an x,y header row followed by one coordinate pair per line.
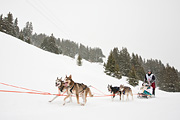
x,y
82,104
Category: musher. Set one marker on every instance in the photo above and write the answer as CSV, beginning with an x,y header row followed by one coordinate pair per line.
x,y
150,79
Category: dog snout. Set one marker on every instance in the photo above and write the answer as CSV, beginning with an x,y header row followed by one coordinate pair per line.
x,y
66,84
57,84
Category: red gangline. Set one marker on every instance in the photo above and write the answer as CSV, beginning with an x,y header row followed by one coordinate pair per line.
x,y
45,93
22,88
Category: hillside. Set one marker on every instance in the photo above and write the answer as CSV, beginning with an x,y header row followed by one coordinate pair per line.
x,y
27,66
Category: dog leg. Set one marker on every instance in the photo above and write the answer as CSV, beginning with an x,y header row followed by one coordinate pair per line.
x,y
120,96
132,95
70,98
123,97
86,93
84,97
66,98
54,98
127,97
113,95
77,96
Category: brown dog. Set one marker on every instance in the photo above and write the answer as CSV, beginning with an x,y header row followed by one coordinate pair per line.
x,y
126,91
77,89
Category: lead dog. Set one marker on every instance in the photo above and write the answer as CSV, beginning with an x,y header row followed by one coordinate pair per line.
x,y
61,88
77,89
126,91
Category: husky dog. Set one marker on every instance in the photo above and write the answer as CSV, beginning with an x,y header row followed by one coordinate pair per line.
x,y
126,90
77,89
61,88
114,90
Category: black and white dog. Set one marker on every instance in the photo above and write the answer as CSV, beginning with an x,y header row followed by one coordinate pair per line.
x,y
61,88
114,90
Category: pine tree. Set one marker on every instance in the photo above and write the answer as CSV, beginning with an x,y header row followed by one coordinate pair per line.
x,y
117,72
1,23
110,66
27,32
175,79
15,28
9,24
83,52
133,78
169,79
21,36
116,55
50,45
178,85
79,61
124,62
162,79
137,66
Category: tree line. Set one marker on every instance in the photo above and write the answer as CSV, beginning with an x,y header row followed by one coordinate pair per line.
x,y
121,63
49,43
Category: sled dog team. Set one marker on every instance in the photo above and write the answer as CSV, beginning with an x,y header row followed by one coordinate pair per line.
x,y
121,91
79,89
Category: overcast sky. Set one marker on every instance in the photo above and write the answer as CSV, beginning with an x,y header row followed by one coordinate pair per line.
x,y
150,28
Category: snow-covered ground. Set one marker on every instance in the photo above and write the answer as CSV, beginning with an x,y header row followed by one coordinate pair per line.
x,y
24,65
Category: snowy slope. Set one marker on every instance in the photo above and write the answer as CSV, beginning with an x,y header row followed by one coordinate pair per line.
x,y
24,65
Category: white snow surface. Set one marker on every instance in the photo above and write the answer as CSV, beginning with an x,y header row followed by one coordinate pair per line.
x,y
27,66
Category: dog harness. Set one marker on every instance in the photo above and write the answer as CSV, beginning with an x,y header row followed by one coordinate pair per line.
x,y
62,88
79,84
71,89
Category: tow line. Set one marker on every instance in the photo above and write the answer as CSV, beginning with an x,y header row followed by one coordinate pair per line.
x,y
31,91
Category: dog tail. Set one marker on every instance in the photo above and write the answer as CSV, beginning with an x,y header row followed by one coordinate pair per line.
x,y
89,91
132,94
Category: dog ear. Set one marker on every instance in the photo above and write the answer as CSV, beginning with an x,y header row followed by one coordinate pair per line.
x,y
70,76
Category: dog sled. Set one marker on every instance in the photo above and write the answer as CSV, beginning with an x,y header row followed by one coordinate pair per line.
x,y
145,91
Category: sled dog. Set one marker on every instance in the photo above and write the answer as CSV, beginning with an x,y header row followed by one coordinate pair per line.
x,y
77,89
114,90
126,91
61,88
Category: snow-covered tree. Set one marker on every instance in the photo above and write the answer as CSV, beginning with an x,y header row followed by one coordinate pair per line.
x,y
132,77
79,61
